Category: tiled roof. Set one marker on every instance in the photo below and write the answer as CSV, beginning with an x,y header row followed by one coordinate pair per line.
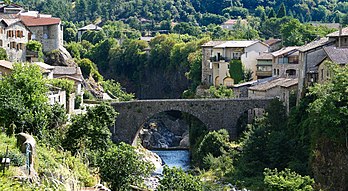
x,y
64,70
282,82
314,44
44,65
337,33
285,50
10,22
39,21
265,56
90,27
337,55
237,44
6,64
71,78
212,43
272,41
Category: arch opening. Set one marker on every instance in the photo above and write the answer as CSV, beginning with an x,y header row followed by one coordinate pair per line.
x,y
171,129
247,118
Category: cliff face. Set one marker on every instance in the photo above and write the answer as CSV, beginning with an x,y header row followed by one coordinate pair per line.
x,y
330,166
154,83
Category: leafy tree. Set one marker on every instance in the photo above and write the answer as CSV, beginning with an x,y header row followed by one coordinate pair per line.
x,y
115,90
35,46
271,14
221,92
89,69
23,99
127,165
3,54
91,130
282,11
215,143
177,179
287,180
236,70
65,84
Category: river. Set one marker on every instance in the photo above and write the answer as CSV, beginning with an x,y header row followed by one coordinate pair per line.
x,y
174,158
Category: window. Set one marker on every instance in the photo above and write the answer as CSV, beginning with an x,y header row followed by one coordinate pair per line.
x,y
0,43
275,72
322,74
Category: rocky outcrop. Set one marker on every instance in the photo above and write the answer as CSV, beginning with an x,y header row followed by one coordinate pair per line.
x,y
60,57
164,131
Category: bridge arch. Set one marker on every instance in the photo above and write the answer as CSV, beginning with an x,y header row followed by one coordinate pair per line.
x,y
173,114
214,113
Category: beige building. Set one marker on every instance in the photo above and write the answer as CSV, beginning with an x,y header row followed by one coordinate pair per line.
x,y
285,62
232,23
264,66
217,56
13,37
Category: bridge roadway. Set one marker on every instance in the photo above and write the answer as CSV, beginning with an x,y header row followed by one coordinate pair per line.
x,y
214,113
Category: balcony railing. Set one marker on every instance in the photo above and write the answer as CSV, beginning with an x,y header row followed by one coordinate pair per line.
x,y
220,58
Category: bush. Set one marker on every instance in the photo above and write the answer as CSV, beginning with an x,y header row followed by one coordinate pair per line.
x,y
122,166
286,180
177,179
3,54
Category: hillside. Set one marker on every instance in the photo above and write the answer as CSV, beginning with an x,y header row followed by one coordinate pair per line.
x,y
187,10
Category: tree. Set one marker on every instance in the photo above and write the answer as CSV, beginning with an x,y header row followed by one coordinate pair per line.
x,y
286,180
3,54
35,46
122,166
236,70
90,131
23,99
282,11
271,14
221,92
177,179
215,143
115,90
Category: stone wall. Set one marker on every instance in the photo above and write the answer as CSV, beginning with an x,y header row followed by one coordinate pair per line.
x,y
214,113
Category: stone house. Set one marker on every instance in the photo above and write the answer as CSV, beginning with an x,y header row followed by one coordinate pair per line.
x,y
282,88
90,27
310,56
218,54
285,62
5,68
333,54
44,28
264,66
13,37
274,44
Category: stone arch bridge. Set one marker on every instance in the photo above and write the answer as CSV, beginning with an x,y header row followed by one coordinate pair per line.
x,y
214,113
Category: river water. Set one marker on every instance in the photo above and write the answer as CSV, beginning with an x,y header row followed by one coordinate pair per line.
x,y
174,158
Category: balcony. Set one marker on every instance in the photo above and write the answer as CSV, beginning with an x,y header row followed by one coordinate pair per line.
x,y
264,73
219,59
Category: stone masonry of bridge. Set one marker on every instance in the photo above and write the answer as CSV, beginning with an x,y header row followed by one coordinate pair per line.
x,y
214,113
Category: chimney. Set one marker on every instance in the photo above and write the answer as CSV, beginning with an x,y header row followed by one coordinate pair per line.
x,y
339,35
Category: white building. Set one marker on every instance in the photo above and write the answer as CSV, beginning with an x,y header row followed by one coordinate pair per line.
x,y
218,54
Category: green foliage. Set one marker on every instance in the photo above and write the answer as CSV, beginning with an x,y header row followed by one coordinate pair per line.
x,y
115,90
64,84
3,54
90,70
287,180
236,70
23,99
221,92
177,179
215,143
282,11
91,130
35,46
127,165
330,106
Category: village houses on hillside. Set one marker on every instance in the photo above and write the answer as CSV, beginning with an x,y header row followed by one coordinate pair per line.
x,y
17,28
277,72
